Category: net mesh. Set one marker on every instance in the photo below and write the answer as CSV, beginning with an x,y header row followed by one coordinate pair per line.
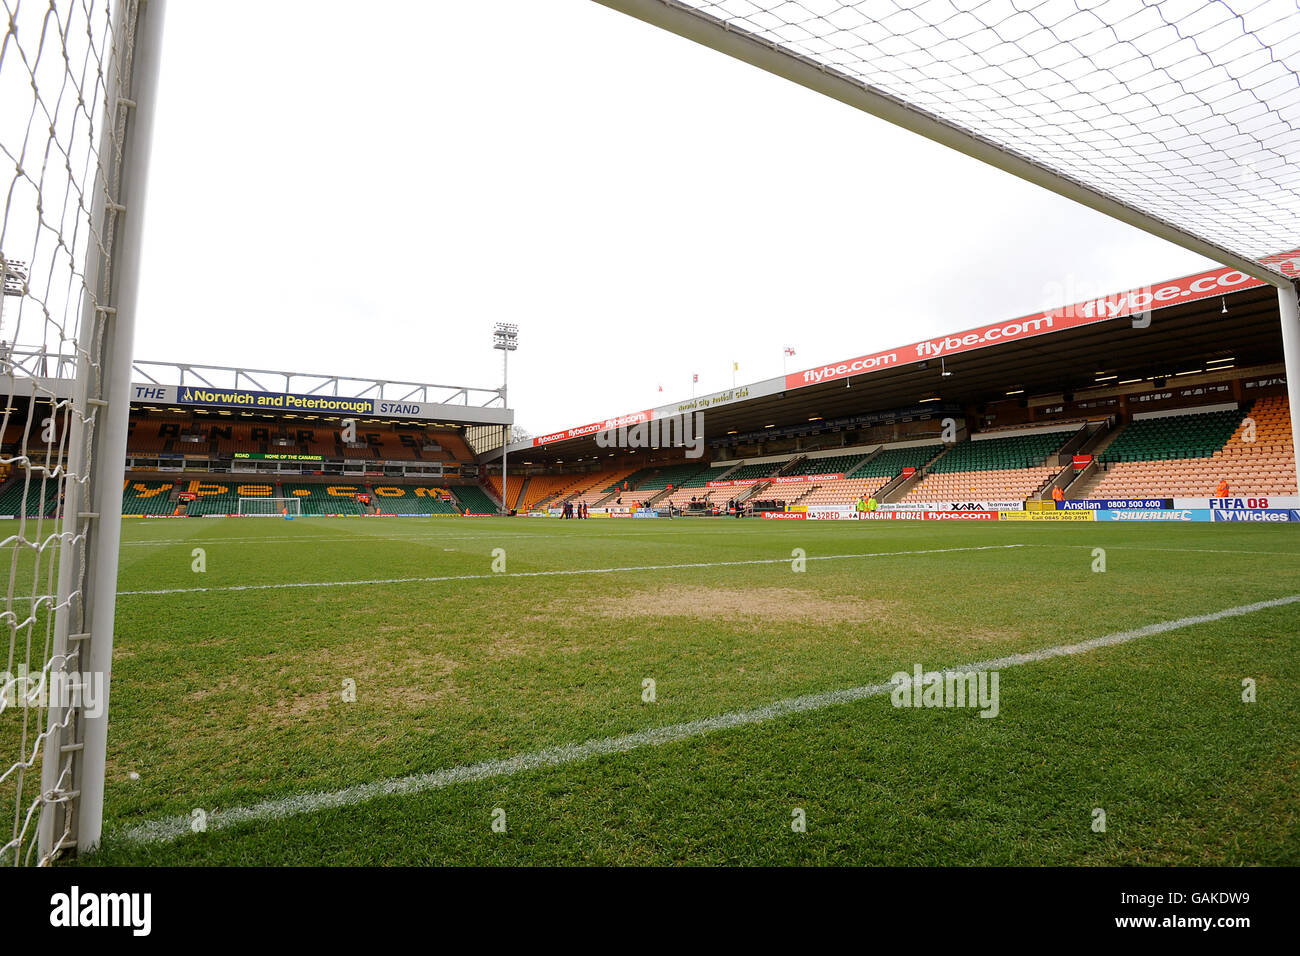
x,y
1186,111
61,65
269,507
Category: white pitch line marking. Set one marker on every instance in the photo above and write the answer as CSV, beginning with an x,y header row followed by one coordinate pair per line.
x,y
170,828
544,574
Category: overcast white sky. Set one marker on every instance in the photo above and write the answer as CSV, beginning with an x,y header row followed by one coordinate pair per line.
x,y
365,189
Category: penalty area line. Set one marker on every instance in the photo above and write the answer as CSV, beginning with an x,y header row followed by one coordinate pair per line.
x,y
558,573
168,829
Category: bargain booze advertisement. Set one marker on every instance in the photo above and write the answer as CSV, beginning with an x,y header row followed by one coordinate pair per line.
x,y
1135,303
928,516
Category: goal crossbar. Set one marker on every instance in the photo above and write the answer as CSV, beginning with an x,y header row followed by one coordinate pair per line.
x,y
751,31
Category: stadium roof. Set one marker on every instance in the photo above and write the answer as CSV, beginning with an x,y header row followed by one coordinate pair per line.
x,y
1179,117
1159,331
183,385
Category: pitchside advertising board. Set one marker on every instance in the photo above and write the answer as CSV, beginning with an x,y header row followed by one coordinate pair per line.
x,y
821,513
1114,504
1257,508
1149,514
1247,514
1257,502
954,506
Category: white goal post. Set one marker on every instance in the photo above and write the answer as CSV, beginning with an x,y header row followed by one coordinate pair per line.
x,y
78,85
269,507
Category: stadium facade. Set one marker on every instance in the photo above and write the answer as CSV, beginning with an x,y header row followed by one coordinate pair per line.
x,y
1159,393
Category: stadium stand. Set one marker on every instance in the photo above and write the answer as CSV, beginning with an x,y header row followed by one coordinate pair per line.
x,y
891,461
214,504
147,497
832,465
221,497
535,490
411,500
991,469
474,500
753,472
598,487
675,475
862,479
844,491
1194,435
32,501
451,448
317,499
630,482
1187,455
693,486
144,436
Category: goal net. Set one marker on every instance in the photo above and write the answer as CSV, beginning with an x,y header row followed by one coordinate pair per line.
x,y
269,507
1178,117
76,94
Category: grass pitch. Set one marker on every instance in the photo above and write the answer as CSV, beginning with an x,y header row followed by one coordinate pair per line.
x,y
232,697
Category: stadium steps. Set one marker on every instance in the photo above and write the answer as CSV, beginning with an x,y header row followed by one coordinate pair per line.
x,y
601,502
792,464
806,493
865,462
633,481
1066,475
1084,482
898,488
523,490
1082,486
1100,441
658,493
1075,442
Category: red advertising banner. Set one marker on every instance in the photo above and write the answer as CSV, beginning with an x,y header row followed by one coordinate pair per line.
x,y
909,472
792,479
1082,461
782,480
791,515
1120,305
621,421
